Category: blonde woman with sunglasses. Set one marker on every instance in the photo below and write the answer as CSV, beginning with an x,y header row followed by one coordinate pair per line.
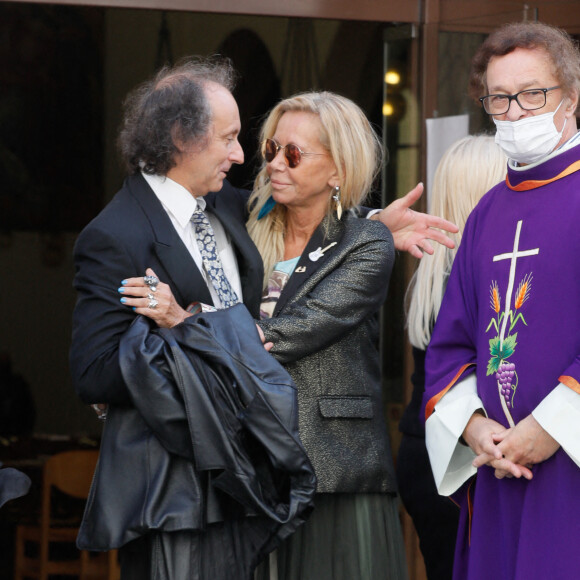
x,y
326,276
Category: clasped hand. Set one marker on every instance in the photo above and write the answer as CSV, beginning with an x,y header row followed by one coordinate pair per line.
x,y
511,452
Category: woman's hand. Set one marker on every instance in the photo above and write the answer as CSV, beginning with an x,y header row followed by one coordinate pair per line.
x,y
156,301
413,231
267,345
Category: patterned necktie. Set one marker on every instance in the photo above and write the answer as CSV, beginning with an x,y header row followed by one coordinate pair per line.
x,y
211,261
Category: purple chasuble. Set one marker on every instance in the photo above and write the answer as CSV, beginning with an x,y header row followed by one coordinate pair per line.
x,y
511,314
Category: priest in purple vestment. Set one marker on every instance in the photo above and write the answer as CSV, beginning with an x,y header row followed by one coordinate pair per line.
x,y
502,399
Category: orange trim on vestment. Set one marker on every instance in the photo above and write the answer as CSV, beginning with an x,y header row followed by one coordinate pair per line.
x,y
533,183
570,382
436,398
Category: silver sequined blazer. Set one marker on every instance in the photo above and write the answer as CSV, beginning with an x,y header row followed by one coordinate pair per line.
x,y
325,332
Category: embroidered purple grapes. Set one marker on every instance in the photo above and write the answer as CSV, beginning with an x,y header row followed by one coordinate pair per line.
x,y
505,377
503,345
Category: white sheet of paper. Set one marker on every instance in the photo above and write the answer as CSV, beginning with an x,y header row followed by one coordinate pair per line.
x,y
442,132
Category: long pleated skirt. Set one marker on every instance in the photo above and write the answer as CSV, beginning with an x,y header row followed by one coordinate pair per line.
x,y
347,537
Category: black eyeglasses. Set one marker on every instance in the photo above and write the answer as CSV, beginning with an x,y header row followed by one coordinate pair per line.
x,y
529,100
292,153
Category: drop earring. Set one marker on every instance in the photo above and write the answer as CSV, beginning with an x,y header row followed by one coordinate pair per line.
x,y
336,197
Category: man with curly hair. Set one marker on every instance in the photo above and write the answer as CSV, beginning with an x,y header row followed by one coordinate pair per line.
x,y
179,139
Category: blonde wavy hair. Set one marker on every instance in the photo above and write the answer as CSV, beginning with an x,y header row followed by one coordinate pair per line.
x,y
354,147
467,170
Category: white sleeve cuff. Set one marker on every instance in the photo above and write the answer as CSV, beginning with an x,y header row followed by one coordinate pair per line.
x,y
450,459
559,415
373,212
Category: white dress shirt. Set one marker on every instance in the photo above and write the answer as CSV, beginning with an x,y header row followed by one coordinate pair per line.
x,y
180,205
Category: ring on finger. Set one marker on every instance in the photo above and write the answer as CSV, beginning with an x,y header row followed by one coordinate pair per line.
x,y
150,296
152,303
153,288
151,280
101,413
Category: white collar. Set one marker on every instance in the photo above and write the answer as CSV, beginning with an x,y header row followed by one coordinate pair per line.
x,y
572,142
174,197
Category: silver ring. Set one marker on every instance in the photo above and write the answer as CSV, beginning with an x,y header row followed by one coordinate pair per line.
x,y
153,288
150,296
153,303
151,280
101,413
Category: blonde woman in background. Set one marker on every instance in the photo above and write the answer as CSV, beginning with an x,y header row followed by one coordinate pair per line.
x,y
467,170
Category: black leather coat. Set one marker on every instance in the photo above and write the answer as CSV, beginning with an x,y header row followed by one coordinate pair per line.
x,y
212,435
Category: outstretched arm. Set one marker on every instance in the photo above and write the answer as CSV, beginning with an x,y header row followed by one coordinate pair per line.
x,y
413,231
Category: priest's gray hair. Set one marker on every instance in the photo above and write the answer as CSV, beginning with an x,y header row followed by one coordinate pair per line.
x,y
558,45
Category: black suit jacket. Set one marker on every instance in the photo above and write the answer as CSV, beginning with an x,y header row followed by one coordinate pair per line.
x,y
133,233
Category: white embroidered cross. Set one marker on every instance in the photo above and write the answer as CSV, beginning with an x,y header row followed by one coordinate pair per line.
x,y
513,256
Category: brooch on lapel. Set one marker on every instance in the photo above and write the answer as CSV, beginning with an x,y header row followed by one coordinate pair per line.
x,y
319,252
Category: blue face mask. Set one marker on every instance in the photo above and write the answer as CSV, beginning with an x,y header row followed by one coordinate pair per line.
x,y
530,139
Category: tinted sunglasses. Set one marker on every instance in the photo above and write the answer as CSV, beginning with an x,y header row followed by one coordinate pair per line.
x,y
292,153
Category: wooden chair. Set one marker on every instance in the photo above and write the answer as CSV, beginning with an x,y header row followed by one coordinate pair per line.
x,y
71,473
